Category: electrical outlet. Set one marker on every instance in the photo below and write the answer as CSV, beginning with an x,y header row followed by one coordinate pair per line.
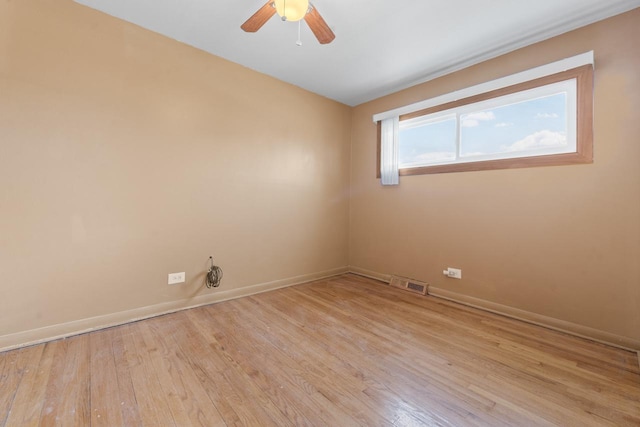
x,y
175,278
454,273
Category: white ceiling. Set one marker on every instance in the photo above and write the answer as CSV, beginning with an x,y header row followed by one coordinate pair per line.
x,y
380,46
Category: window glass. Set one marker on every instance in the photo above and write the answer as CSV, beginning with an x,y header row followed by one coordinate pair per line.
x,y
427,141
527,123
521,128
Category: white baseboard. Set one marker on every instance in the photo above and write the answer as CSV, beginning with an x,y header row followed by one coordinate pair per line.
x,y
63,330
370,274
539,319
575,329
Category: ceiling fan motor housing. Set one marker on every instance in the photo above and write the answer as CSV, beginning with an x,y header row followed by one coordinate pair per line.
x,y
291,10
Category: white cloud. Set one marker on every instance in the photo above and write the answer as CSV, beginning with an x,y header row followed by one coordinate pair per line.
x,y
543,138
474,119
546,116
483,115
503,125
433,157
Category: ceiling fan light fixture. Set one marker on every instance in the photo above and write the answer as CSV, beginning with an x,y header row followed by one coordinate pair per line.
x,y
292,10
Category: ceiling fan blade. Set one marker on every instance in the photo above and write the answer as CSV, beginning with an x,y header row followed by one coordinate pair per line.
x,y
318,26
259,18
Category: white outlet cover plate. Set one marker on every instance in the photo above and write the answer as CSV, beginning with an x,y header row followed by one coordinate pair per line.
x,y
454,273
175,278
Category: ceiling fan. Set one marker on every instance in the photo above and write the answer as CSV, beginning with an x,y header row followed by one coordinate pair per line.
x,y
291,10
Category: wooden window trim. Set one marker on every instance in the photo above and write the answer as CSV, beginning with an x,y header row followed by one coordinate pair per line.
x,y
584,131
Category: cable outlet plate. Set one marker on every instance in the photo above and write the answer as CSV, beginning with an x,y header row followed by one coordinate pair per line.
x,y
454,273
175,278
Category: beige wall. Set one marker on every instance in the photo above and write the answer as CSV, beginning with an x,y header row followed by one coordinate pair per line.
x,y
125,156
562,242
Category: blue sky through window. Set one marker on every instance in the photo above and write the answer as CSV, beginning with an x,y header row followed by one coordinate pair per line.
x,y
433,142
525,126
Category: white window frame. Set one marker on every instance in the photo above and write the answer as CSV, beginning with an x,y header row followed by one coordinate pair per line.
x,y
567,86
579,67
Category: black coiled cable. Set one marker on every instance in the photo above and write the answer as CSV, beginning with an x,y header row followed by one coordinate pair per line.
x,y
214,275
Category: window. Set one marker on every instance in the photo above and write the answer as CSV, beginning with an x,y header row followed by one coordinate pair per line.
x,y
541,122
535,122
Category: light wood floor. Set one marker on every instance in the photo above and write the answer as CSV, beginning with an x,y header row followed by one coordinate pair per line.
x,y
339,352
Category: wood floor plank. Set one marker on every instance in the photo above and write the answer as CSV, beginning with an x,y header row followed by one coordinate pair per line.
x,y
595,415
77,392
18,371
196,404
519,352
344,351
398,347
34,388
105,393
264,376
66,402
210,371
358,373
129,409
249,399
10,376
317,366
158,356
366,348
281,369
213,372
592,409
151,398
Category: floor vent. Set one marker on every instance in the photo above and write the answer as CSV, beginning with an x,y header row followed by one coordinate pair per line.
x,y
410,285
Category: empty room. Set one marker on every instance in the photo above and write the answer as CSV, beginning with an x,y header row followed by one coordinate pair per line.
x,y
239,213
